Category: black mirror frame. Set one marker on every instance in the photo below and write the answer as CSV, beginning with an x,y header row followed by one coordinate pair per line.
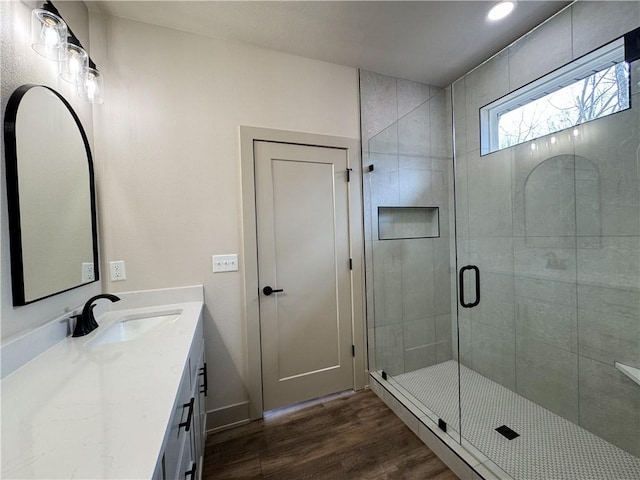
x,y
13,196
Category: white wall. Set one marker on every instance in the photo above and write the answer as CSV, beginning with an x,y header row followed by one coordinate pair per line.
x,y
19,65
167,148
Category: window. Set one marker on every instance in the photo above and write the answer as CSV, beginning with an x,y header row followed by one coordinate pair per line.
x,y
590,87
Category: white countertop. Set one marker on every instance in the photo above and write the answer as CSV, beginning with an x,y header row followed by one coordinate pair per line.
x,y
96,411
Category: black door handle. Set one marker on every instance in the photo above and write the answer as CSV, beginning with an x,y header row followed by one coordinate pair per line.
x,y
268,290
461,284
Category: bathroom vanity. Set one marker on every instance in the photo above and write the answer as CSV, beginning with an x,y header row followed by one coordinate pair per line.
x,y
125,401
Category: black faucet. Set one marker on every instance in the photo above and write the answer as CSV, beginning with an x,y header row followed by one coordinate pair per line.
x,y
86,322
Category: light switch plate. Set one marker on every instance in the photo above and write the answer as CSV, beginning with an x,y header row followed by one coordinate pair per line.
x,y
225,263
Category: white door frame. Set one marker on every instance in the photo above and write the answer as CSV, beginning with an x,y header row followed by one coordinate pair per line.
x,y
250,252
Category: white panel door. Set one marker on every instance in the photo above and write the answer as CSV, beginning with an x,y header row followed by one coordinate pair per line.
x,y
303,250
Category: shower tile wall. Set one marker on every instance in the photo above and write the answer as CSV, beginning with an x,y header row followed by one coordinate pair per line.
x,y
406,137
558,244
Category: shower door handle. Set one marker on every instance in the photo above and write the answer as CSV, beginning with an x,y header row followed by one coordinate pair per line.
x,y
461,284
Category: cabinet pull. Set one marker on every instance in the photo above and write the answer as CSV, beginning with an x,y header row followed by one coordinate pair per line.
x,y
203,373
187,423
191,473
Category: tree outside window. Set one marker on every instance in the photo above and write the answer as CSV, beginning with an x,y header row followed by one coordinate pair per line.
x,y
601,93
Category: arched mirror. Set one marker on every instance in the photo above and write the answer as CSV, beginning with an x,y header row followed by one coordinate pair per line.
x,y
51,196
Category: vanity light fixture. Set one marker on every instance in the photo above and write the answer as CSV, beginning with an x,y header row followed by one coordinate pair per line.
x,y
91,86
53,39
48,34
76,62
500,10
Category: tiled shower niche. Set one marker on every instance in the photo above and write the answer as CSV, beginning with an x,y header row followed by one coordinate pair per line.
x,y
397,223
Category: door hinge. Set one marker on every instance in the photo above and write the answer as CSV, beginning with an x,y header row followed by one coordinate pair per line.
x,y
370,169
353,350
351,264
349,174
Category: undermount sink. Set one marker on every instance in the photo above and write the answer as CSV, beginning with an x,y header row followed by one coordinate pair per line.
x,y
131,327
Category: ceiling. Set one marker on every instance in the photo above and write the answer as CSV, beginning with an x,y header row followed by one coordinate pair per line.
x,y
434,42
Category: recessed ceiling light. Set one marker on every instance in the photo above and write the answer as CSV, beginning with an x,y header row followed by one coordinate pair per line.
x,y
500,10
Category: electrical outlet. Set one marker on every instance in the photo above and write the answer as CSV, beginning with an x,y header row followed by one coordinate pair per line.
x,y
225,263
118,273
88,272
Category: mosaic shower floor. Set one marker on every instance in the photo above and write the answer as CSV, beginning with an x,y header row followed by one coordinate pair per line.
x,y
548,448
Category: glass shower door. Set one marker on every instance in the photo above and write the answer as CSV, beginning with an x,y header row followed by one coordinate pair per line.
x,y
407,216
553,227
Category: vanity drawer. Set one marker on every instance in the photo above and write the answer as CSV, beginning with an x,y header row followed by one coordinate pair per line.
x,y
178,429
195,354
188,470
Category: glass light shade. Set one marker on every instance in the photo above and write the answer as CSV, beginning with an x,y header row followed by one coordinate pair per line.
x,y
77,62
48,35
91,86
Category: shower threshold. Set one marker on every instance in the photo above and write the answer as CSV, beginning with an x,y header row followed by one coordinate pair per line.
x,y
548,446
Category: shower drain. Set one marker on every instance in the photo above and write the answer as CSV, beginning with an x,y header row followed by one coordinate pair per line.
x,y
507,432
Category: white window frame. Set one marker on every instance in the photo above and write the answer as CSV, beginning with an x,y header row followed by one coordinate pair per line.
x,y
579,69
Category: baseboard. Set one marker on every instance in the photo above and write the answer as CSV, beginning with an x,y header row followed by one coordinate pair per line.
x,y
227,417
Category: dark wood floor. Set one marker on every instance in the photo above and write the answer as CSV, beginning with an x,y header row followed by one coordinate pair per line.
x,y
348,436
